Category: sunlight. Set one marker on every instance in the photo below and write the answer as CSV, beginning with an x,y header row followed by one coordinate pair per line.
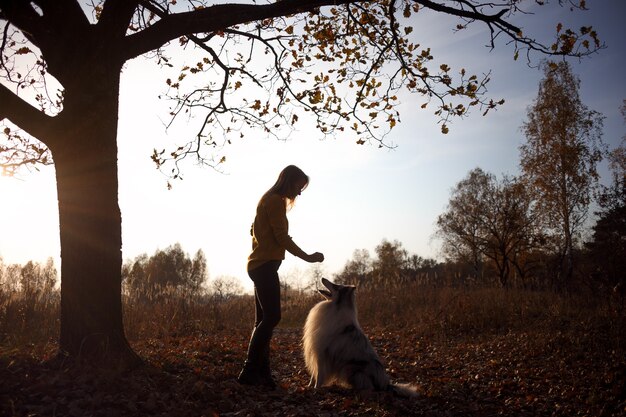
x,y
29,218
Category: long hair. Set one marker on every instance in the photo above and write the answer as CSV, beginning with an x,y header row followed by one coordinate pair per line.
x,y
286,183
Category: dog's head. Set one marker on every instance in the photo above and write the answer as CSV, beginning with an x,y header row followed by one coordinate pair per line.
x,y
338,294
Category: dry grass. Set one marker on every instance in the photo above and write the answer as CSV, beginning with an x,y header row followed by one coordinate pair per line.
x,y
469,352
438,313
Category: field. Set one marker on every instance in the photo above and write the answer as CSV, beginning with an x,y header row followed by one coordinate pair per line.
x,y
469,352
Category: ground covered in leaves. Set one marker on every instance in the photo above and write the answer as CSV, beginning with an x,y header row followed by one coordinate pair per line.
x,y
512,374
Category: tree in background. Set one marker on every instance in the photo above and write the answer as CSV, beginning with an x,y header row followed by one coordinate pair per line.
x,y
31,280
608,242
61,65
169,270
459,226
224,288
559,159
389,266
357,270
488,220
392,266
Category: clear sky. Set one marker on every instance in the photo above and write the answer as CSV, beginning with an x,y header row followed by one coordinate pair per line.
x,y
358,195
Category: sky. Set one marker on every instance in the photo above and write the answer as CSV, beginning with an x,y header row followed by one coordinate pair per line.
x,y
358,194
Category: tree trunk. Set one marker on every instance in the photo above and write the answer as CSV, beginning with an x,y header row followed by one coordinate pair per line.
x,y
85,157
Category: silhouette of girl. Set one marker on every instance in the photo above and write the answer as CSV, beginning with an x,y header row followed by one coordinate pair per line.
x,y
270,239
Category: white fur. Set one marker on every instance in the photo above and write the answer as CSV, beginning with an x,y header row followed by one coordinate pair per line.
x,y
335,348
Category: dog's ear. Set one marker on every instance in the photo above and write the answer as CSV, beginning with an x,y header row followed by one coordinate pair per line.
x,y
325,293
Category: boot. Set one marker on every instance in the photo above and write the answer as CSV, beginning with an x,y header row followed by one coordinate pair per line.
x,y
250,374
265,371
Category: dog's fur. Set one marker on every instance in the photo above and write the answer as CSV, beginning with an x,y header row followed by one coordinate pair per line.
x,y
337,350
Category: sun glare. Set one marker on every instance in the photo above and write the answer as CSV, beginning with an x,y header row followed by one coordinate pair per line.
x,y
29,217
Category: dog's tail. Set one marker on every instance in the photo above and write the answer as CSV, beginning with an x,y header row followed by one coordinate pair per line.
x,y
403,390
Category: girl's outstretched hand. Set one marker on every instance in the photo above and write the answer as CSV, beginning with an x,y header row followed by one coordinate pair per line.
x,y
315,257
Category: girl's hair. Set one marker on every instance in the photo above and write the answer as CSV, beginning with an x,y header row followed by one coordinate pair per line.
x,y
286,182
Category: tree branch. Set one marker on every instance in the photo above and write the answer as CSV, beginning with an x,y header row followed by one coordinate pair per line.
x,y
22,114
216,18
57,13
116,14
21,14
474,15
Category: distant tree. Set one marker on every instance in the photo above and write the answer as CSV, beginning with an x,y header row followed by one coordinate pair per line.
x,y
135,276
61,64
389,266
357,270
199,273
36,279
559,159
460,225
171,269
608,242
315,273
225,287
607,247
11,277
487,219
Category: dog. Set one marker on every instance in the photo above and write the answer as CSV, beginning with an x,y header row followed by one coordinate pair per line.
x,y
336,350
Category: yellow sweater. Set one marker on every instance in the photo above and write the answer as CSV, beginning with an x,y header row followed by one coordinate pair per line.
x,y
270,233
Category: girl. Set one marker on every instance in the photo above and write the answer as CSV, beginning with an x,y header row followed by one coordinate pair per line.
x,y
270,239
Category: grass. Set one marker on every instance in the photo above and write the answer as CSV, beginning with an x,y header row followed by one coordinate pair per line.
x,y
468,352
438,313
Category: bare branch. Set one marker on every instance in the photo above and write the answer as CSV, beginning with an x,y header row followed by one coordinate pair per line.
x,y
21,113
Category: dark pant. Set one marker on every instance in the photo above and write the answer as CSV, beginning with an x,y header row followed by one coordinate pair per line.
x,y
267,312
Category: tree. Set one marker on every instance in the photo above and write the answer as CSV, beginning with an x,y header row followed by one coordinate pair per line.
x,y
363,46
199,273
511,227
36,280
608,242
388,268
357,270
151,278
225,287
487,219
559,159
459,226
